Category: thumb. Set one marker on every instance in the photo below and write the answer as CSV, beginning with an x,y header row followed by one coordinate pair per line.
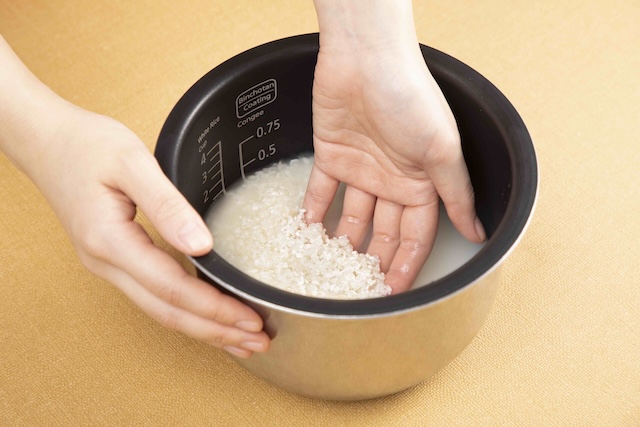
x,y
454,188
167,209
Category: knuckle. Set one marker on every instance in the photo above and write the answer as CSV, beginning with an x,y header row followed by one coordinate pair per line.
x,y
171,294
445,149
352,219
469,193
383,237
169,318
220,308
448,135
464,202
135,155
216,312
444,154
94,242
89,262
413,245
317,198
168,207
221,338
397,274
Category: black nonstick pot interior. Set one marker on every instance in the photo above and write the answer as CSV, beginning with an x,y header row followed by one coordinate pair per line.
x,y
255,109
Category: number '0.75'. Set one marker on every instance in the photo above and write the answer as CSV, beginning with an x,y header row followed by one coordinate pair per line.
x,y
271,126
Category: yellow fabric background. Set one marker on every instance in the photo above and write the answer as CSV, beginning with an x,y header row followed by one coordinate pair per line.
x,y
562,344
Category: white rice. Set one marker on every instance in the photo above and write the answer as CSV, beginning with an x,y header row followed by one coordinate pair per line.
x,y
259,228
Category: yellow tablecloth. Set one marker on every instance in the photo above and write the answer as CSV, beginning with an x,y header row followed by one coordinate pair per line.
x,y
562,344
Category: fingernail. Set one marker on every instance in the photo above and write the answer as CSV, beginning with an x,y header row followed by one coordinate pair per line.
x,y
480,230
254,346
249,326
195,237
235,351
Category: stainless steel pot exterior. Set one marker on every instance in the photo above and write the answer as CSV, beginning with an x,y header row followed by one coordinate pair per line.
x,y
366,357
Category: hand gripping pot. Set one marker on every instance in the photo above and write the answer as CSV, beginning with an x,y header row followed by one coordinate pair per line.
x,y
254,110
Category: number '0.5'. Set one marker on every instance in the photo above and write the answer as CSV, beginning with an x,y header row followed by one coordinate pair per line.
x,y
266,152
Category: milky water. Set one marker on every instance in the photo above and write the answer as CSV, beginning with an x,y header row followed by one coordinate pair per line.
x,y
450,250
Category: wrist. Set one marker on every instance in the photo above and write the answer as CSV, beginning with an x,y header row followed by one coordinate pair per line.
x,y
365,26
30,126
30,118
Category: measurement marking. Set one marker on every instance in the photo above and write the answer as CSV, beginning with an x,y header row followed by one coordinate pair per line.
x,y
246,139
222,190
249,162
219,175
213,167
242,163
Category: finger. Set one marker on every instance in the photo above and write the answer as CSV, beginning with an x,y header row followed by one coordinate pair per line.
x,y
320,193
418,230
357,212
169,212
236,341
454,187
385,236
162,276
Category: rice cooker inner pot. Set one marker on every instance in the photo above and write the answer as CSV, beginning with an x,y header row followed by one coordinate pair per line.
x,y
255,109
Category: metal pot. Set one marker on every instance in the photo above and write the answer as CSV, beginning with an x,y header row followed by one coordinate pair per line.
x,y
255,109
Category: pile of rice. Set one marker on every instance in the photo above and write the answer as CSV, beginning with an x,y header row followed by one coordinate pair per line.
x,y
259,228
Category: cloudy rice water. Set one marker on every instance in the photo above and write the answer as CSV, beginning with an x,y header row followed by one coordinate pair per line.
x,y
259,228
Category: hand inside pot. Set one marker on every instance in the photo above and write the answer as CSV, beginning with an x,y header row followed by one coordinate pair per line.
x,y
382,126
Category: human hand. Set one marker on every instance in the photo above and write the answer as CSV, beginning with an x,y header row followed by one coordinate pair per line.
x,y
95,173
382,126
98,173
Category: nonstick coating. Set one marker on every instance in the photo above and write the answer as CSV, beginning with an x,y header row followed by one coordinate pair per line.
x,y
496,145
